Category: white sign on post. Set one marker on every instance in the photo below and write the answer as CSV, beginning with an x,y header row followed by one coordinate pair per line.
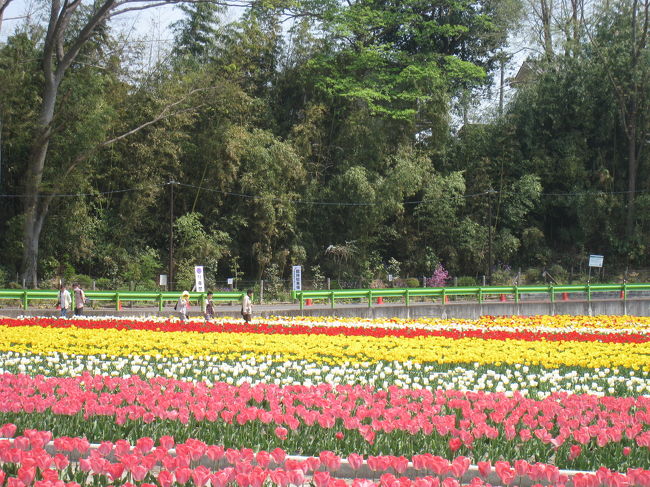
x,y
231,281
297,278
199,278
596,260
163,280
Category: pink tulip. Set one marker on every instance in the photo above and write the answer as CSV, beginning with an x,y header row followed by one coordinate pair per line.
x,y
355,460
322,479
574,452
139,472
330,459
258,476
7,430
215,452
399,464
627,450
200,476
22,443
263,459
49,475
279,477
167,442
450,482
114,471
144,445
296,477
505,473
183,474
26,475
363,483
15,482
281,432
455,444
388,480
484,469
278,455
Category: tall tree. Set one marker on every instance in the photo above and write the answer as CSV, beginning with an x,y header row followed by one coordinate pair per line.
x,y
71,26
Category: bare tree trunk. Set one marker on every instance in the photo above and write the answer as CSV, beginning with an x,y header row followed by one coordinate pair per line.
x,y
632,169
546,15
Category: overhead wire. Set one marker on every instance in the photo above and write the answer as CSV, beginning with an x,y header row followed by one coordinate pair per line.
x,y
289,200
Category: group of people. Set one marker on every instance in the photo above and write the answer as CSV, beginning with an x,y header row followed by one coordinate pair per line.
x,y
183,306
65,300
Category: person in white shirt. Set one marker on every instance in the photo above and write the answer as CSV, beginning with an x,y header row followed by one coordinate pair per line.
x,y
65,301
247,306
183,305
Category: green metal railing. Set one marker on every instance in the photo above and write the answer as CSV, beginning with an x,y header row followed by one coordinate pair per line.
x,y
118,297
25,296
478,292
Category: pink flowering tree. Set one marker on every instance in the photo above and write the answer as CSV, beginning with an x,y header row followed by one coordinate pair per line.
x,y
439,278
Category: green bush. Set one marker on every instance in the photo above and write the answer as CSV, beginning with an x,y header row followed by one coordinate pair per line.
x,y
465,281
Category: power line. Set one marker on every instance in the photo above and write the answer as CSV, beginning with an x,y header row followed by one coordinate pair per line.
x,y
297,201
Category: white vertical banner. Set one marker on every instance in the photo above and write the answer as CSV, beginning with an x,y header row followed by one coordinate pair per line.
x,y
297,278
199,279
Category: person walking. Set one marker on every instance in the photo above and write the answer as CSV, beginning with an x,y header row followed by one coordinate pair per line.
x,y
247,306
79,300
209,307
183,305
65,301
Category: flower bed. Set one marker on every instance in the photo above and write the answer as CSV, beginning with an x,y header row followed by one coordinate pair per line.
x,y
497,391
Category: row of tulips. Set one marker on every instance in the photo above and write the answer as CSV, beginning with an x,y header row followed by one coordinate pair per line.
x,y
569,323
348,418
530,381
34,459
331,349
378,331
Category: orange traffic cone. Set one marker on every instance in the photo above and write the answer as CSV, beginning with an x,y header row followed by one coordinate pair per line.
x,y
446,299
502,298
380,300
119,305
622,294
308,302
565,296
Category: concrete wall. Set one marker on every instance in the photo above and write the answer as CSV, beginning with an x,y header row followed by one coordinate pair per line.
x,y
621,307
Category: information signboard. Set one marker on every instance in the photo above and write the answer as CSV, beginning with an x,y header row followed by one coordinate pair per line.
x,y
297,278
199,279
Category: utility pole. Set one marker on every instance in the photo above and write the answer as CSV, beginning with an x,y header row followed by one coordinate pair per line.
x,y
489,193
171,234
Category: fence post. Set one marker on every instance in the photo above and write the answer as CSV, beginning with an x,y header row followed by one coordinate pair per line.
x,y
408,298
25,300
331,297
369,299
424,281
261,291
328,284
160,301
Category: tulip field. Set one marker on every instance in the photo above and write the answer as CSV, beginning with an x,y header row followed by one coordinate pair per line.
x,y
325,402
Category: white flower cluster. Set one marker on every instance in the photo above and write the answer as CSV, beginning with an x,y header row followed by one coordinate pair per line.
x,y
531,381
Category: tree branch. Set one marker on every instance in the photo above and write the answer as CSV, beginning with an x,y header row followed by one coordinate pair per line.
x,y
165,113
